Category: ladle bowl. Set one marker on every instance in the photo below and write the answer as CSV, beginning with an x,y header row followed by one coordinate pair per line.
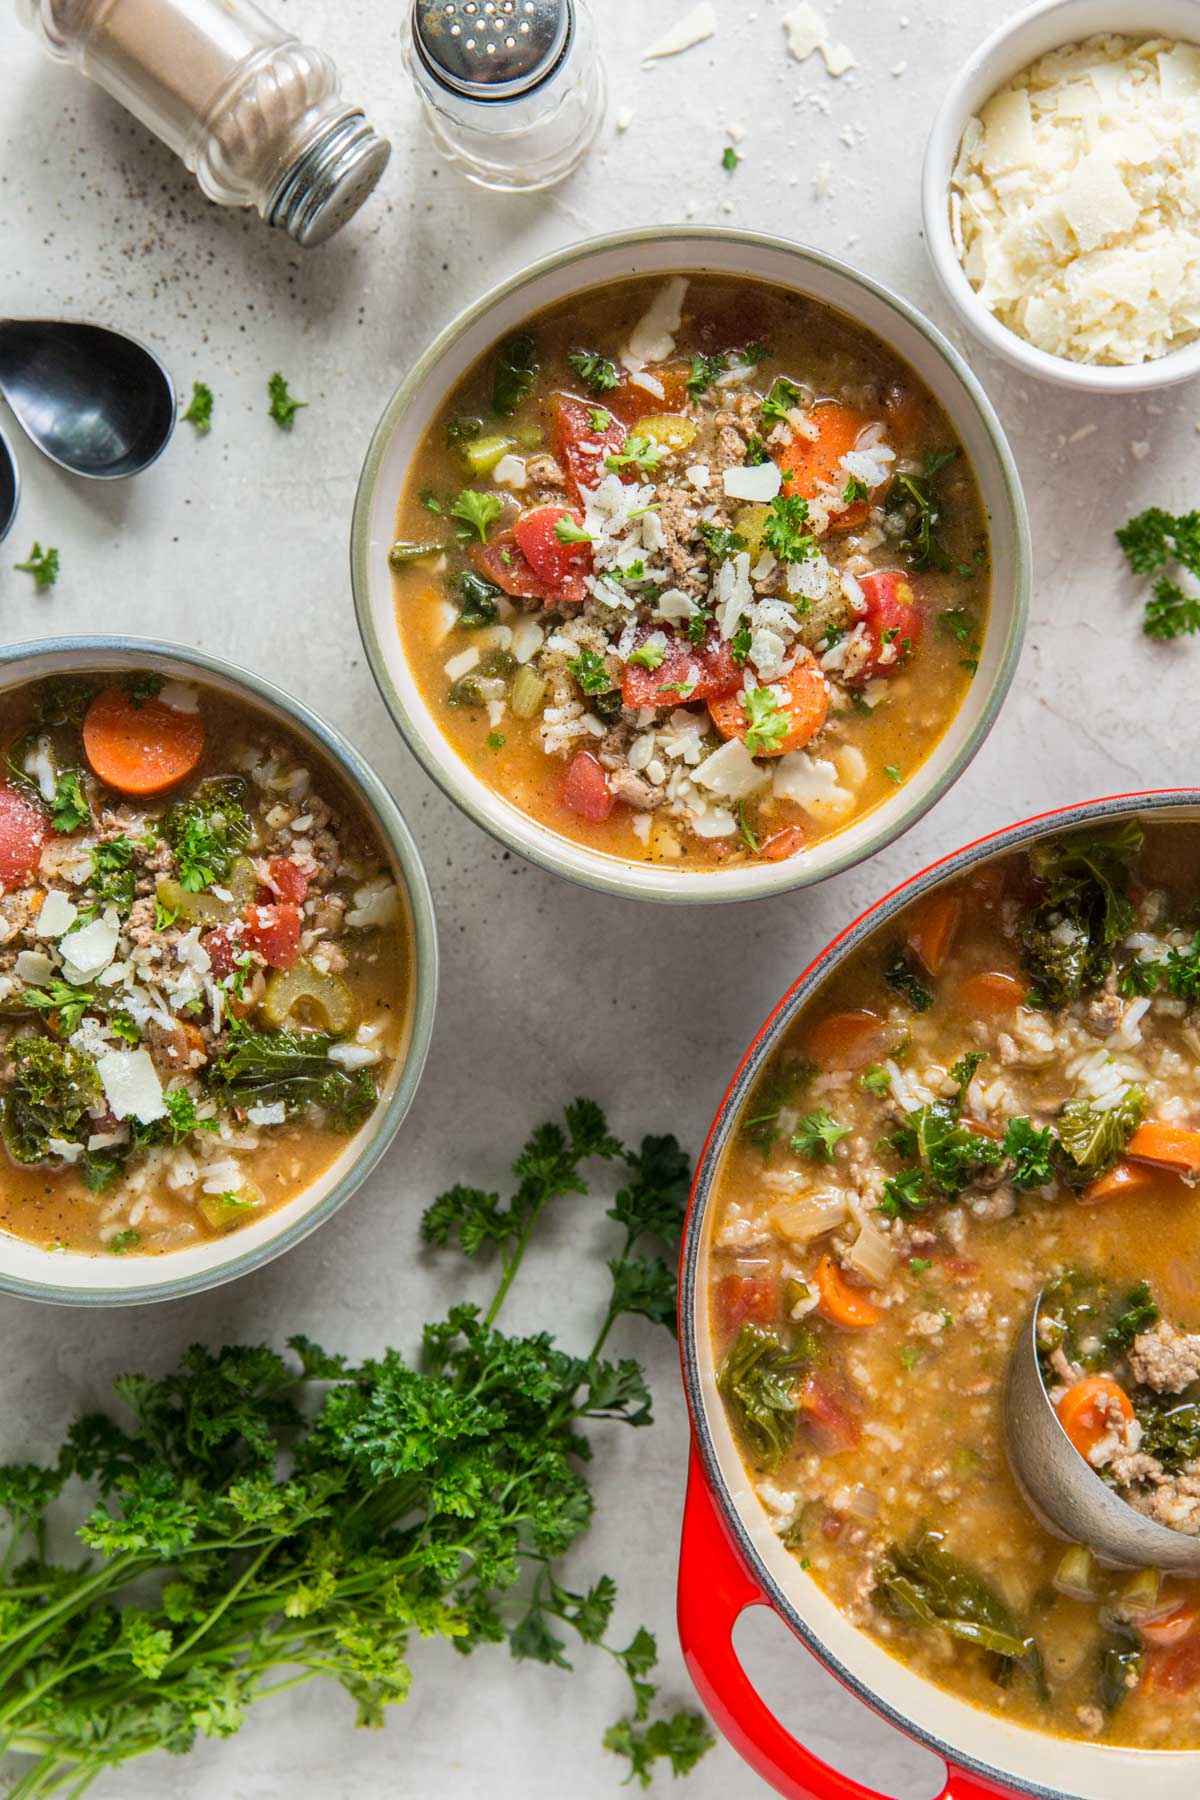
x,y
94,401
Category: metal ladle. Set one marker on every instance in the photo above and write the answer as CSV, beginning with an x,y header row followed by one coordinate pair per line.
x,y
10,487
1067,1495
95,402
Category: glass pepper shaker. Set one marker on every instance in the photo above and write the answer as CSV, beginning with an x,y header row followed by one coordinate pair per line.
x,y
253,113
513,90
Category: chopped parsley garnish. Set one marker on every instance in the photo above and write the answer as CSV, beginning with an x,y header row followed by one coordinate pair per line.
x,y
924,508
164,916
121,1241
199,408
892,771
639,453
877,1081
477,511
1032,1154
740,642
650,656
698,624
783,531
590,672
430,501
1183,971
705,370
747,836
598,373
69,808
494,740
818,1136
756,451
783,396
67,1002
112,879
719,541
516,369
599,418
1139,977
463,430
730,158
855,490
283,408
41,564
767,721
903,1195
955,622
122,1025
919,1265
750,355
568,532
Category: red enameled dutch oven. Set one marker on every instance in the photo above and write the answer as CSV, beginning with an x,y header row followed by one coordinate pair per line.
x,y
731,1558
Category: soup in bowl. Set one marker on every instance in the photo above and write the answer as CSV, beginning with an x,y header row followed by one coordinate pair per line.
x,y
216,967
696,581
985,1092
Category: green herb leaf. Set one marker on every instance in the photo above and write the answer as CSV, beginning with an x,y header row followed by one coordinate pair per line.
x,y
598,373
477,511
282,408
516,370
41,564
818,1136
783,531
200,408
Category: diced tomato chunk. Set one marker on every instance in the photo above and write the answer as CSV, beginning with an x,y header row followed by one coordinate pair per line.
x,y
742,1298
559,567
893,621
506,564
288,879
1174,1671
274,931
578,445
710,666
223,947
835,1426
586,790
24,829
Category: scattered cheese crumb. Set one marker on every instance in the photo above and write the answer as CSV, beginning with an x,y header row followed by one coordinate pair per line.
x,y
131,1085
57,915
624,118
691,30
1139,449
807,32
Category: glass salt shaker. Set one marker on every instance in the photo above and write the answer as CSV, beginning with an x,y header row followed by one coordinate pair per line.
x,y
513,90
253,113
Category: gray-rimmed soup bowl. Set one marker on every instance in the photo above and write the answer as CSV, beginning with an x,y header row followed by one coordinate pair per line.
x,y
684,250
731,1557
70,1277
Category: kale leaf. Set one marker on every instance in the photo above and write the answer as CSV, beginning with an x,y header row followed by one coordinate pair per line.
x,y
758,1383
923,1584
1082,912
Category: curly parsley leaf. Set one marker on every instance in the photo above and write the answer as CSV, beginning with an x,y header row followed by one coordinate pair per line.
x,y
41,564
200,408
818,1136
767,721
282,406
599,374
478,511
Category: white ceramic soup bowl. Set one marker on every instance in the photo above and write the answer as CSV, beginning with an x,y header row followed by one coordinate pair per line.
x,y
1022,40
731,1557
688,250
69,1277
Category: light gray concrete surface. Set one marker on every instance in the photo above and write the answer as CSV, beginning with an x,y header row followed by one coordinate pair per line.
x,y
238,542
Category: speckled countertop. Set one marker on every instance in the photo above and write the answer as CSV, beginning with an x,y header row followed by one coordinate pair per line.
x,y
238,542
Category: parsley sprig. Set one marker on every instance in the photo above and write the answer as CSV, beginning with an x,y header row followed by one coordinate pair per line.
x,y
1151,541
266,1520
41,564
282,407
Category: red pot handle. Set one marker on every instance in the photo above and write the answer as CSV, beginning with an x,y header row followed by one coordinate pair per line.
x,y
715,1588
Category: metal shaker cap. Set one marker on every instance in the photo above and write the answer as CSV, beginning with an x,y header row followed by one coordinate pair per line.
x,y
337,172
492,49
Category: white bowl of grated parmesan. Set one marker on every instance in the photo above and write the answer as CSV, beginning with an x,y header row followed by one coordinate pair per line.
x,y
1061,193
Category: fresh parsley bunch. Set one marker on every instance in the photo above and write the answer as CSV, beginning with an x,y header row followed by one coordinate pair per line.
x,y
265,1521
1151,541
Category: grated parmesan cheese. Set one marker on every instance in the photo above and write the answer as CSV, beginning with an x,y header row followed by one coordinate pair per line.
x,y
1075,201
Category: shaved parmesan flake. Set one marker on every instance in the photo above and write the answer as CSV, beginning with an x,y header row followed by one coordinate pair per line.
x,y
730,772
88,951
180,696
131,1085
652,339
691,30
807,32
57,915
1075,201
756,481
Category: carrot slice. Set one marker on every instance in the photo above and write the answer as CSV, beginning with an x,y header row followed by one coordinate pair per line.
x,y
809,462
1172,1146
839,1302
1088,1411
788,842
1176,1626
847,1040
931,930
140,746
1122,1182
805,704
991,991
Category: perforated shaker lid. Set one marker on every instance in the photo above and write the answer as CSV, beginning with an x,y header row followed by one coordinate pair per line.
x,y
492,49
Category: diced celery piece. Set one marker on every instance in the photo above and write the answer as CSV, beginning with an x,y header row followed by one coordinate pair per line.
x,y
482,454
528,692
224,1211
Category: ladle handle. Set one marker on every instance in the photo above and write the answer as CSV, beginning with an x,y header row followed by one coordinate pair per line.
x,y
715,1588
